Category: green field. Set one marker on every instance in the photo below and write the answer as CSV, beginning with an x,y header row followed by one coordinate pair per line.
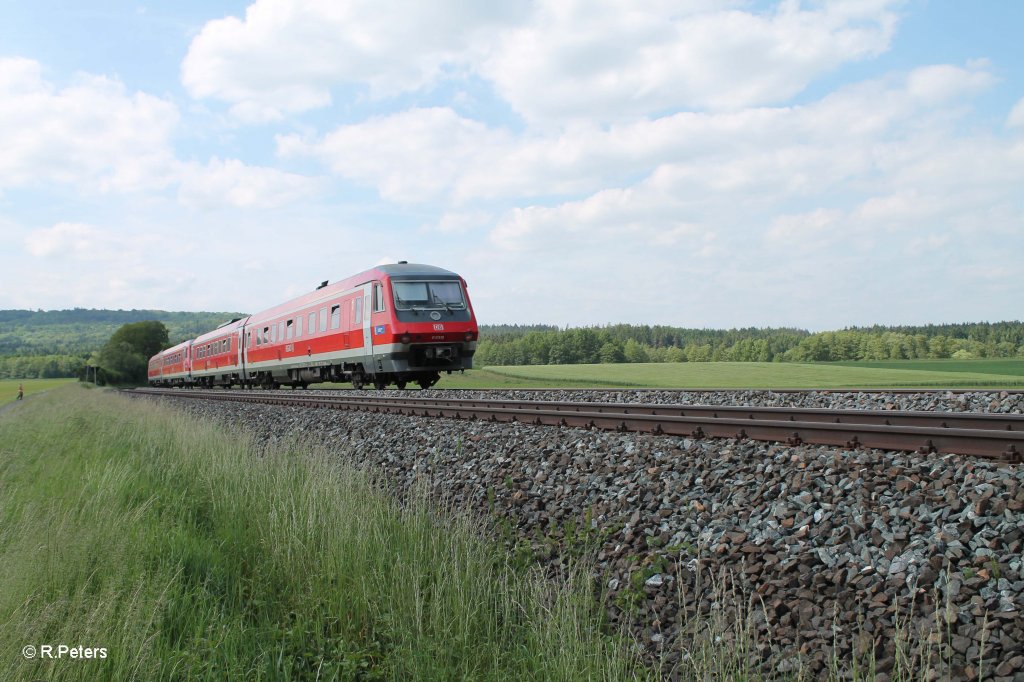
x,y
895,374
9,387
1005,366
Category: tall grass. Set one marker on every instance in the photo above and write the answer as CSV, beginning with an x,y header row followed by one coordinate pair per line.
x,y
188,553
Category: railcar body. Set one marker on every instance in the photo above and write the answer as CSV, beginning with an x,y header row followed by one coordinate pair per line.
x,y
172,367
217,355
393,324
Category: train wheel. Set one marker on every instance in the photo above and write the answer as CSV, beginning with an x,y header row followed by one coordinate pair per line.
x,y
380,384
357,380
400,385
428,381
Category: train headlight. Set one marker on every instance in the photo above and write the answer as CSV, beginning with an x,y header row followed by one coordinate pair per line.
x,y
469,336
405,338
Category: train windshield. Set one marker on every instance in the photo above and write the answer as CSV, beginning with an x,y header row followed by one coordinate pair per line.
x,y
427,295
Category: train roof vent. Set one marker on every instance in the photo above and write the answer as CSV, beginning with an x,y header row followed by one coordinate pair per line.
x,y
403,262
322,285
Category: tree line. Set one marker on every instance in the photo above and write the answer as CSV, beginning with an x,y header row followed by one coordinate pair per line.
x,y
540,345
44,344
122,354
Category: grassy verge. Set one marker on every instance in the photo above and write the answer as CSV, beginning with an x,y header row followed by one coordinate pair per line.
x,y
185,554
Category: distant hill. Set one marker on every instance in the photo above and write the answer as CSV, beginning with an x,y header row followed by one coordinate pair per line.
x,y
81,331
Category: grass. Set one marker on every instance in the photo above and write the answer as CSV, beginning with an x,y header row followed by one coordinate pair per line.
x,y
1008,366
493,377
9,387
908,374
187,554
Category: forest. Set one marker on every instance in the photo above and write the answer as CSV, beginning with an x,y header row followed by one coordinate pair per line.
x,y
545,345
59,343
45,344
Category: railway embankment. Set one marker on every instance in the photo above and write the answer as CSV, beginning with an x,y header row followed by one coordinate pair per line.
x,y
794,558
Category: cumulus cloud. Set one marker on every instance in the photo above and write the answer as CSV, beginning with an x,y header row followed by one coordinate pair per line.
x,y
1016,117
92,133
286,55
803,227
886,125
550,60
77,239
614,59
613,215
233,183
410,157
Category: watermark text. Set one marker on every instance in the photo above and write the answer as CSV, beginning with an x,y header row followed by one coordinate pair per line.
x,y
63,651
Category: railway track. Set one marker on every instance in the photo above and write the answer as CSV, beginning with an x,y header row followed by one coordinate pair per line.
x,y
992,436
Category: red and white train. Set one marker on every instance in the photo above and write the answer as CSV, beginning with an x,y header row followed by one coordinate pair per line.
x,y
393,324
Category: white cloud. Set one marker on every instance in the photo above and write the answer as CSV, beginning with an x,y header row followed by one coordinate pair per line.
x,y
76,239
611,59
792,229
413,156
1016,117
887,126
232,183
92,134
551,60
285,55
942,82
630,217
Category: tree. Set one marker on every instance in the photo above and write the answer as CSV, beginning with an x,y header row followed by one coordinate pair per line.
x,y
612,353
634,352
125,357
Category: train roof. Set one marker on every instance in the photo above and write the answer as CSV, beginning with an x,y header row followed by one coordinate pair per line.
x,y
226,329
413,270
327,291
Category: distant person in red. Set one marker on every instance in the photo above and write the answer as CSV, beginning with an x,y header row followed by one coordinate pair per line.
x,y
21,391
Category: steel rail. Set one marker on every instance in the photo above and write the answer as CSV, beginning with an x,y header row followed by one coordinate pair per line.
x,y
994,436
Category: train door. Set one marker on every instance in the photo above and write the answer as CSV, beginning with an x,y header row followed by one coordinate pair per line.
x,y
366,308
243,348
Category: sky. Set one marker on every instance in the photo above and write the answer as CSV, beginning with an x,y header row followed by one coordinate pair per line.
x,y
696,163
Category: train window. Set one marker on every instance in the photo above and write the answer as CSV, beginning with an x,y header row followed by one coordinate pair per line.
x,y
357,311
335,316
298,326
378,298
273,333
227,345
280,331
323,319
312,323
413,295
289,330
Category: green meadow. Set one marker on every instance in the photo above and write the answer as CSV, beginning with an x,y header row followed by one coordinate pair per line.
x,y
184,553
925,374
9,387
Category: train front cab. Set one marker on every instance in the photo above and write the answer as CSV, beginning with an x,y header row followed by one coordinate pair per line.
x,y
422,326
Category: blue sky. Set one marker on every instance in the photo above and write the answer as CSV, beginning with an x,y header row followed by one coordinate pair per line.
x,y
702,164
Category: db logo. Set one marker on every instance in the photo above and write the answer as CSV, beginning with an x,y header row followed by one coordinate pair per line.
x,y
438,327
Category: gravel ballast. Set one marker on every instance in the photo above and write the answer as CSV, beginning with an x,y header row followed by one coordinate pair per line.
x,y
857,555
